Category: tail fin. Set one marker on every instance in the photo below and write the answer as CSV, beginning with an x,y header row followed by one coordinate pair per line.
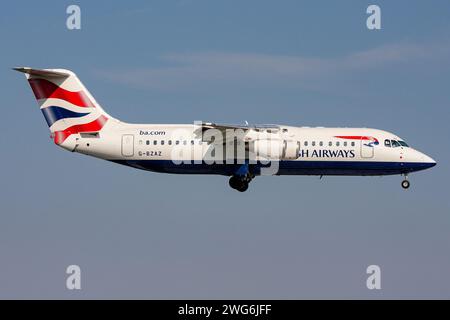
x,y
67,105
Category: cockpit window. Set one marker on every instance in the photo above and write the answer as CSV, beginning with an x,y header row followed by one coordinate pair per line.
x,y
387,143
395,144
403,143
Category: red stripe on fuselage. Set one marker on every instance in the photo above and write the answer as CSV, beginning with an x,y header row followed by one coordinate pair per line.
x,y
356,137
96,125
44,89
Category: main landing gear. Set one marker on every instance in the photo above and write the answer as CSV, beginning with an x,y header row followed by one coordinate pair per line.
x,y
240,183
405,183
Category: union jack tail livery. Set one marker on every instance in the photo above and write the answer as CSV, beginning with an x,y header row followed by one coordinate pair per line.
x,y
241,152
66,104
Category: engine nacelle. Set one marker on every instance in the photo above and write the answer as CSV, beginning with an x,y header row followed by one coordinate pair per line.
x,y
277,149
291,149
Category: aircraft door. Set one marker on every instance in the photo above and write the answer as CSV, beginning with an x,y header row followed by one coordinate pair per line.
x,y
367,149
127,145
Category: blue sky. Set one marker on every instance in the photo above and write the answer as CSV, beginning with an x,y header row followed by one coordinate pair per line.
x,y
145,235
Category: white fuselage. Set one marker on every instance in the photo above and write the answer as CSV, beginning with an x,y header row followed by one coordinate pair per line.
x,y
322,151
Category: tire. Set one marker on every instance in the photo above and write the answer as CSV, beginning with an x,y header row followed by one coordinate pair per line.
x,y
243,186
238,183
405,184
233,182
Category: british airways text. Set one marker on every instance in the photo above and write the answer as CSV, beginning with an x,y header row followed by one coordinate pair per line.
x,y
327,153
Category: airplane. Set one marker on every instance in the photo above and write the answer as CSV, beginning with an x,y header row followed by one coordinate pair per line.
x,y
79,124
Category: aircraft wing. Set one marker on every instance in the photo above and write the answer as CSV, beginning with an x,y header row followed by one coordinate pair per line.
x,y
246,129
256,127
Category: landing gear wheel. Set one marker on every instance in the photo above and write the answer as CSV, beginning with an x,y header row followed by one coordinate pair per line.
x,y
405,184
239,183
243,186
234,182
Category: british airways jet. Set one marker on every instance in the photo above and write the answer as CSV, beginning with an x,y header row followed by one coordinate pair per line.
x,y
79,124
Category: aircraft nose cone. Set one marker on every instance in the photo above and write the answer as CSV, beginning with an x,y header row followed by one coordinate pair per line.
x,y
428,161
419,160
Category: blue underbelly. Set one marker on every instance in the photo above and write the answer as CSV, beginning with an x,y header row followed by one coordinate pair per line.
x,y
345,168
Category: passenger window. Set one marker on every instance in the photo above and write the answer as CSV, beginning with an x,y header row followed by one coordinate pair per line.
x,y
395,144
387,143
313,143
147,142
170,142
162,142
184,142
345,143
320,143
177,142
337,143
192,142
330,143
155,142
353,143
306,143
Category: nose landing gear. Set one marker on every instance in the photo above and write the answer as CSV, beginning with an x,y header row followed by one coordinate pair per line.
x,y
405,183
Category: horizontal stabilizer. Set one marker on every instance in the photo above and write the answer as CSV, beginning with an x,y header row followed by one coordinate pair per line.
x,y
43,72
